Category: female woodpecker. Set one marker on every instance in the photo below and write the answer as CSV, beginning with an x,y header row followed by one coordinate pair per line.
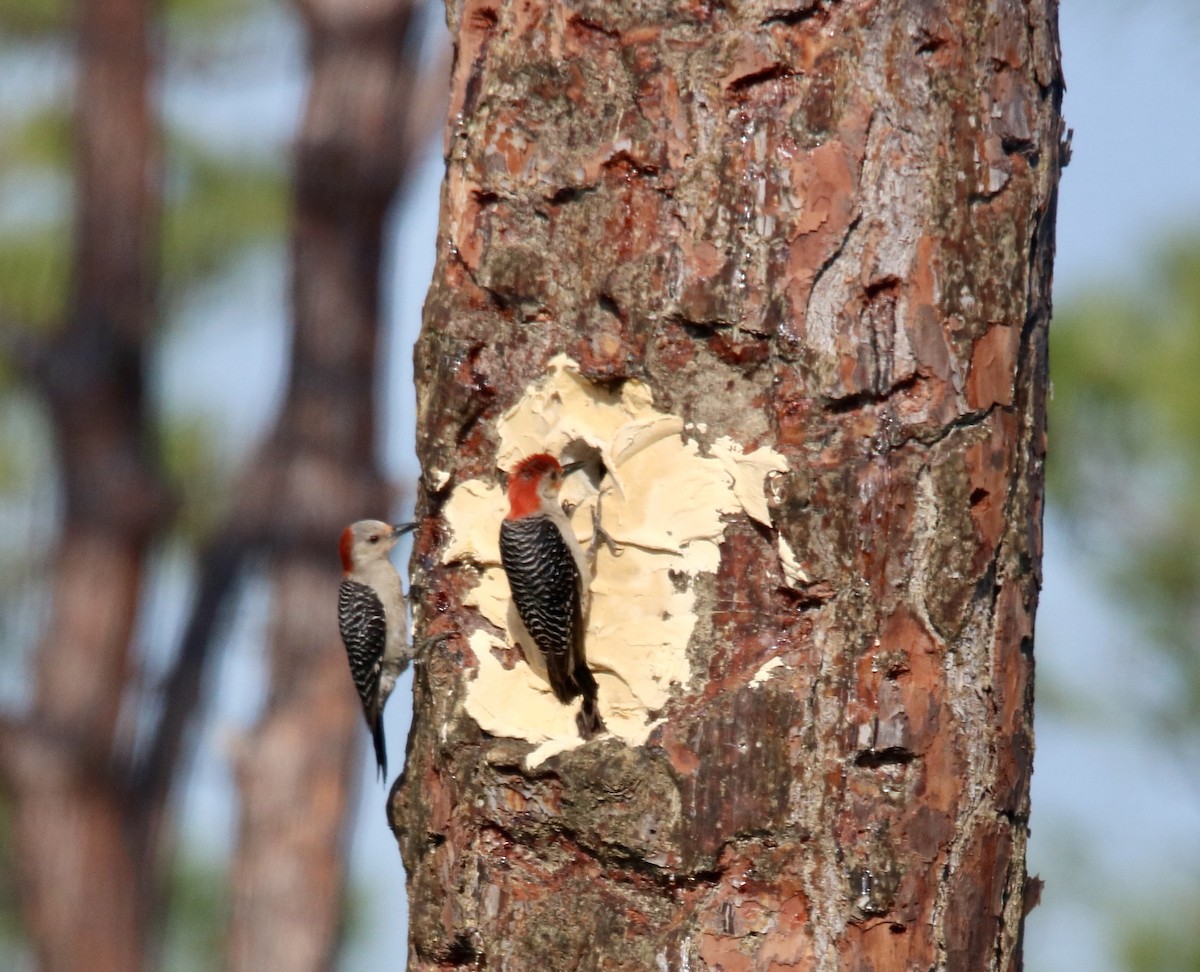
x,y
372,619
549,575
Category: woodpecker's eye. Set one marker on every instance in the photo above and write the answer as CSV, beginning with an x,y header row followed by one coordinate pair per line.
x,y
373,538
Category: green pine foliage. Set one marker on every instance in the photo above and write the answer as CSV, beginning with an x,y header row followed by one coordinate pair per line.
x,y
215,208
1125,455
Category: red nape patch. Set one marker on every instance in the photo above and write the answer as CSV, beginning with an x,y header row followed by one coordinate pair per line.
x,y
345,546
523,483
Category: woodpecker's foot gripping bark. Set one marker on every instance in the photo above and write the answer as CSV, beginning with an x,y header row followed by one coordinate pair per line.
x,y
428,644
603,536
588,720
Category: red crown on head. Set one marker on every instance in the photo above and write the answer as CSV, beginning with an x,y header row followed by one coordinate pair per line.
x,y
523,481
535,466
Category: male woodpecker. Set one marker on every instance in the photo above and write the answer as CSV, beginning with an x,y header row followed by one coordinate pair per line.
x,y
548,573
372,619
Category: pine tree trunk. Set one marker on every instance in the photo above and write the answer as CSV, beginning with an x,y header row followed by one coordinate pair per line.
x,y
819,235
66,759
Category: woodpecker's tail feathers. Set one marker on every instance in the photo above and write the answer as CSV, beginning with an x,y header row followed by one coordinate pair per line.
x,y
380,747
589,722
584,680
562,679
570,683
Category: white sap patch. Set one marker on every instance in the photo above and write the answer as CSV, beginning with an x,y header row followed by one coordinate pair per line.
x,y
468,511
750,472
791,566
765,672
661,503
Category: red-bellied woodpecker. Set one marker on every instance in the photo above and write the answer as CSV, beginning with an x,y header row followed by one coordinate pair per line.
x,y
372,619
549,575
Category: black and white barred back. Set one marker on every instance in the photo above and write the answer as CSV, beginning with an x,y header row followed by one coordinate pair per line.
x,y
364,632
545,588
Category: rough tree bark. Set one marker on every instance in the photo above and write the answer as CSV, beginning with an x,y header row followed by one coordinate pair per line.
x,y
65,761
318,472
823,227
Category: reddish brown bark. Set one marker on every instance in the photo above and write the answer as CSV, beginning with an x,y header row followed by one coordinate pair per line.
x,y
826,227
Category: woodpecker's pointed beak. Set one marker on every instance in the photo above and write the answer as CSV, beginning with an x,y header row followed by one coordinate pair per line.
x,y
570,467
400,529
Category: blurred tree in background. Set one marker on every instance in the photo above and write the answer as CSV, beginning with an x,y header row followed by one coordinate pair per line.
x,y
1124,465
1127,459
110,223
